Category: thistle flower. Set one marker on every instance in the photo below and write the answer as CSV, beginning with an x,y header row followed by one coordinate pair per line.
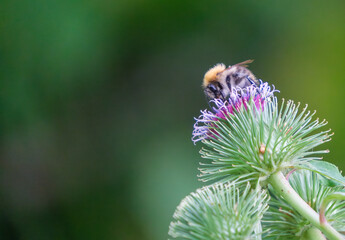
x,y
220,212
223,109
284,222
250,136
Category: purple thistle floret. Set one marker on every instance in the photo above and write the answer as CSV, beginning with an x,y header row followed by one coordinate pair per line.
x,y
203,127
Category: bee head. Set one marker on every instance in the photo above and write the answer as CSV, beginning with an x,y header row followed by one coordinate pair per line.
x,y
214,90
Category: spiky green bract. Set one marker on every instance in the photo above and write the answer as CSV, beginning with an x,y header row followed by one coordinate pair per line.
x,y
284,222
220,212
255,141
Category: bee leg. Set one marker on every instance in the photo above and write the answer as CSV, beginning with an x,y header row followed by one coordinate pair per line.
x,y
227,80
223,98
208,101
251,81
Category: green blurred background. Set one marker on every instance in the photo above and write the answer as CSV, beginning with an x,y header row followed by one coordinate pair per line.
x,y
98,99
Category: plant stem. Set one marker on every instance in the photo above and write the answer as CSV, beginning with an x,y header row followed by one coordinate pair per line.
x,y
314,233
281,185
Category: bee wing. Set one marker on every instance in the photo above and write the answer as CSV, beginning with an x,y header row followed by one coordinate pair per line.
x,y
244,64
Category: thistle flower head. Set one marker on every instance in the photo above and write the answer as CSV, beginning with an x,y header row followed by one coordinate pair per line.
x,y
238,99
284,222
220,212
249,136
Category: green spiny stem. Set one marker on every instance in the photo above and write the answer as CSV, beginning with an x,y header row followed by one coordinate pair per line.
x,y
314,233
281,185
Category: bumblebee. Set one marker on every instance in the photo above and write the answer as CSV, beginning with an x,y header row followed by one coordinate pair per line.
x,y
219,81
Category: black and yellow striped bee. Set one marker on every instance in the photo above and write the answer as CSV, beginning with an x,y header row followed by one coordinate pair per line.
x,y
219,81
